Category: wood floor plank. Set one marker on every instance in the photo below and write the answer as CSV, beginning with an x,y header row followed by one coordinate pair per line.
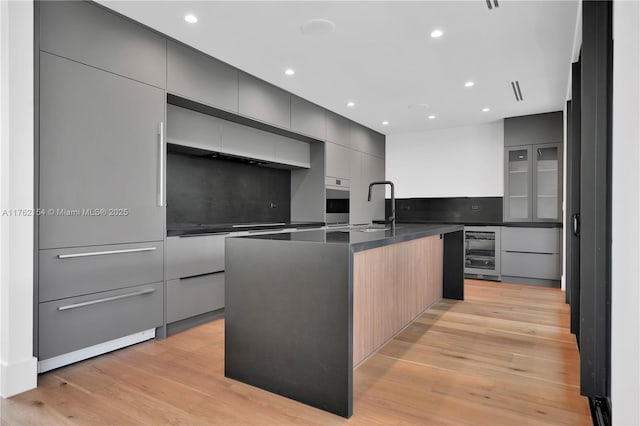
x,y
504,356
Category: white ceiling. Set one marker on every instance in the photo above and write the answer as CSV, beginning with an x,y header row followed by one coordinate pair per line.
x,y
381,56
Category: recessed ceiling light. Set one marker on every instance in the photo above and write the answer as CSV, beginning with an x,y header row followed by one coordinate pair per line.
x,y
317,27
351,104
385,123
486,109
192,19
469,84
431,117
436,33
289,71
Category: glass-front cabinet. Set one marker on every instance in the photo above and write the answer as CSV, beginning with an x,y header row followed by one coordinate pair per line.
x,y
533,187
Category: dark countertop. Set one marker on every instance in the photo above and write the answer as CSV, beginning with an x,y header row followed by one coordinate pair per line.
x,y
226,228
508,224
359,240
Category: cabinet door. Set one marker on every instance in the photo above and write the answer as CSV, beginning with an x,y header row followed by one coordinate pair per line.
x,y
547,184
307,118
193,129
366,140
337,161
358,205
194,75
337,129
263,101
293,152
247,142
95,36
373,171
517,189
99,149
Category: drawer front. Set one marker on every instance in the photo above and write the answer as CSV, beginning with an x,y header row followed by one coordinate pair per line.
x,y
531,265
188,297
70,324
85,270
194,255
532,240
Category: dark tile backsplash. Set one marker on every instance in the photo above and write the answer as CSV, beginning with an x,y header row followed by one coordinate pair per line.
x,y
467,210
205,190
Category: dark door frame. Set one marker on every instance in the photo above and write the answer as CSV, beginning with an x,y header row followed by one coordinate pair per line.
x,y
572,217
595,206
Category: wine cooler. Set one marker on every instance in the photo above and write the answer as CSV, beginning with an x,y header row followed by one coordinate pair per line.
x,y
482,252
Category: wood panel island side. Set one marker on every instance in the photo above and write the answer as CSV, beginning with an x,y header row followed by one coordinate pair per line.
x,y
303,309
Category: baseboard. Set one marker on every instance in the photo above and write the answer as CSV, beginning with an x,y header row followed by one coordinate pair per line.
x,y
18,377
178,326
95,350
600,411
530,281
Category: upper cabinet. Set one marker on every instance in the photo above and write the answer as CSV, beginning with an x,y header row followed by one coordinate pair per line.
x,y
533,129
193,129
337,161
308,118
338,129
263,101
92,35
366,140
197,76
533,168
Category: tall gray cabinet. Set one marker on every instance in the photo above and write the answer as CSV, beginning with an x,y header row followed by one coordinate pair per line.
x,y
101,170
533,168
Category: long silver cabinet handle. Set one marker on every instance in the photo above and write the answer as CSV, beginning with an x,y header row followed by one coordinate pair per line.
x,y
161,168
106,299
102,253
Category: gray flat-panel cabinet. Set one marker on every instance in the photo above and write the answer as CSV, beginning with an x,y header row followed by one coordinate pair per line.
x,y
194,255
533,183
532,240
372,171
533,129
67,325
293,152
190,128
338,129
244,141
337,161
92,35
188,297
359,209
263,101
100,157
366,140
308,118
197,76
531,254
84,270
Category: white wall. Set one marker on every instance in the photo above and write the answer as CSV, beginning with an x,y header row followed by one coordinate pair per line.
x,y
625,267
456,162
17,365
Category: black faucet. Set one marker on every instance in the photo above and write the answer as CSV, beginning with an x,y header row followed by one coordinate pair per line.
x,y
392,218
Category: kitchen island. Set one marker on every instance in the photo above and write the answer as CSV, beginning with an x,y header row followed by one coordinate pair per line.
x,y
303,309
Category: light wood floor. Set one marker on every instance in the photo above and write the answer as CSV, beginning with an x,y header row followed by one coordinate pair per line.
x,y
504,356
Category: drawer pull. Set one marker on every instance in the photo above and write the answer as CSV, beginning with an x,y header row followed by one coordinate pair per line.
x,y
529,252
102,253
106,299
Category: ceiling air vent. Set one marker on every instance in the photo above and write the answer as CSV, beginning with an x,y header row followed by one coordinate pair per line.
x,y
515,85
494,5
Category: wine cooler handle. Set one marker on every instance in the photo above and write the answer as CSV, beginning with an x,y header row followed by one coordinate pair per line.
x,y
576,224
